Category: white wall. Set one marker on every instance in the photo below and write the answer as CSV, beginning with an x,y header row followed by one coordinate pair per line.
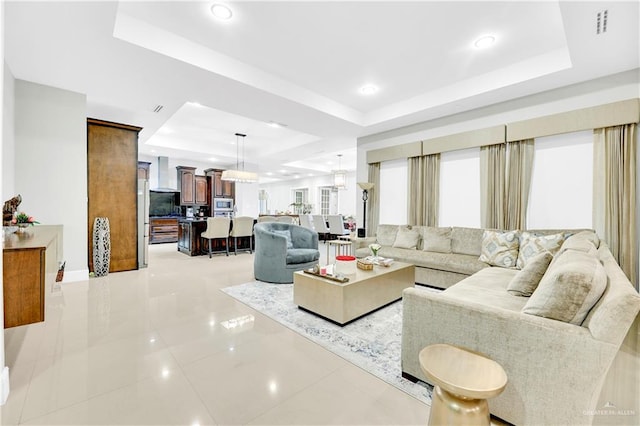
x,y
460,188
393,192
8,135
562,182
6,97
280,195
51,165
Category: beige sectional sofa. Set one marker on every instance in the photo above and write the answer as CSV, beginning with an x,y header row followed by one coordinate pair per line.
x,y
440,264
555,367
442,256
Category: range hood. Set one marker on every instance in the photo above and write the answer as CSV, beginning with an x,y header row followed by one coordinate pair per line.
x,y
163,176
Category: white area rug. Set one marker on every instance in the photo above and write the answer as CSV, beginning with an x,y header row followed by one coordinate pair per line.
x,y
372,342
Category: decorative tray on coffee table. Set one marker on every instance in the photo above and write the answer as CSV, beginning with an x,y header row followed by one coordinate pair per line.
x,y
329,277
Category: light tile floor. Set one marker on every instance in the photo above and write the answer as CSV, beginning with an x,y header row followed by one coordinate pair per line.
x,y
149,347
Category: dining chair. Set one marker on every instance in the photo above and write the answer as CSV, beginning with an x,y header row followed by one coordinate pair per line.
x,y
336,225
305,221
320,226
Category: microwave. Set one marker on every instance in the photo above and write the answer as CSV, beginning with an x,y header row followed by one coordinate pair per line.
x,y
223,204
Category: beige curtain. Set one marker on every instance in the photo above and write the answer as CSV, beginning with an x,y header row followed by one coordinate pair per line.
x,y
614,198
492,180
424,187
518,183
373,204
505,181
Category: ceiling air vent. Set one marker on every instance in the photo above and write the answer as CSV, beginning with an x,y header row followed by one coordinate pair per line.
x,y
158,108
601,22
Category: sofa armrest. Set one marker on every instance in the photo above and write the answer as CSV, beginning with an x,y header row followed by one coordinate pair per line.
x,y
538,354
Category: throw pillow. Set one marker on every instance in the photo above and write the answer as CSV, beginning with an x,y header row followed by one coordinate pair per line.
x,y
531,245
527,279
285,233
406,238
500,248
386,234
572,285
436,239
586,241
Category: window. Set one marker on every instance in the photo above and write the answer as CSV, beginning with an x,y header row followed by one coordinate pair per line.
x,y
460,188
562,182
325,200
393,192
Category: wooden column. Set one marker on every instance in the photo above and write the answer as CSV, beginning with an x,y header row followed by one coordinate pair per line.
x,y
112,173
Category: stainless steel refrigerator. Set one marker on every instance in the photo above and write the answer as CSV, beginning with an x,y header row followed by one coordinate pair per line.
x,y
143,223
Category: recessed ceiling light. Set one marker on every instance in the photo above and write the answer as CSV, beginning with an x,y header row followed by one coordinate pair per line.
x,y
484,42
369,89
221,11
269,173
276,125
213,159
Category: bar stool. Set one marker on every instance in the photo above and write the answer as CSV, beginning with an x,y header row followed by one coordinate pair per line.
x,y
463,380
217,228
242,227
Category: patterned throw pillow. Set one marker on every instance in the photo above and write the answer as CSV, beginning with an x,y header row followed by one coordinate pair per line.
x,y
500,248
406,238
532,245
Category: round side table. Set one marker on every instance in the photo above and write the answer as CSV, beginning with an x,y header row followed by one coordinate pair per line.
x,y
463,380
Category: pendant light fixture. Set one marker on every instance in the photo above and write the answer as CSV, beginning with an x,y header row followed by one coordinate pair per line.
x,y
239,175
340,176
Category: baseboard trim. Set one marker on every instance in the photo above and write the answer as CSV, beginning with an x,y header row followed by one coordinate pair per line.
x,y
4,385
73,276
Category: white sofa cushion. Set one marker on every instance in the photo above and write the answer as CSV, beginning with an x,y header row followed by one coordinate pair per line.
x,y
500,248
528,278
386,234
569,289
436,239
466,240
406,238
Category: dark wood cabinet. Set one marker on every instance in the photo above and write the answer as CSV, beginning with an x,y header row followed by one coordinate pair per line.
x,y
217,183
186,184
201,190
163,230
219,188
112,186
194,190
189,240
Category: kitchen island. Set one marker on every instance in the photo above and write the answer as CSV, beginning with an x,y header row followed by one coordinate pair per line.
x,y
189,231
190,240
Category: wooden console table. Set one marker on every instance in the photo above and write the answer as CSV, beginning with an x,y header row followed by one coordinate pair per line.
x,y
30,263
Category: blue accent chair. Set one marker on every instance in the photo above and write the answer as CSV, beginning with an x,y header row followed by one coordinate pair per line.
x,y
281,249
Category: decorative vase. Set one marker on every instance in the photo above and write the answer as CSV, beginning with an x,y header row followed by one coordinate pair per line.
x,y
101,246
22,227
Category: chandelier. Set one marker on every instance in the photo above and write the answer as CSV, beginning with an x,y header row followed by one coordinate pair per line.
x,y
340,176
239,175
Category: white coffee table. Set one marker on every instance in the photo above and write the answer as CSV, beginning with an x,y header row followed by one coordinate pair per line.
x,y
365,292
